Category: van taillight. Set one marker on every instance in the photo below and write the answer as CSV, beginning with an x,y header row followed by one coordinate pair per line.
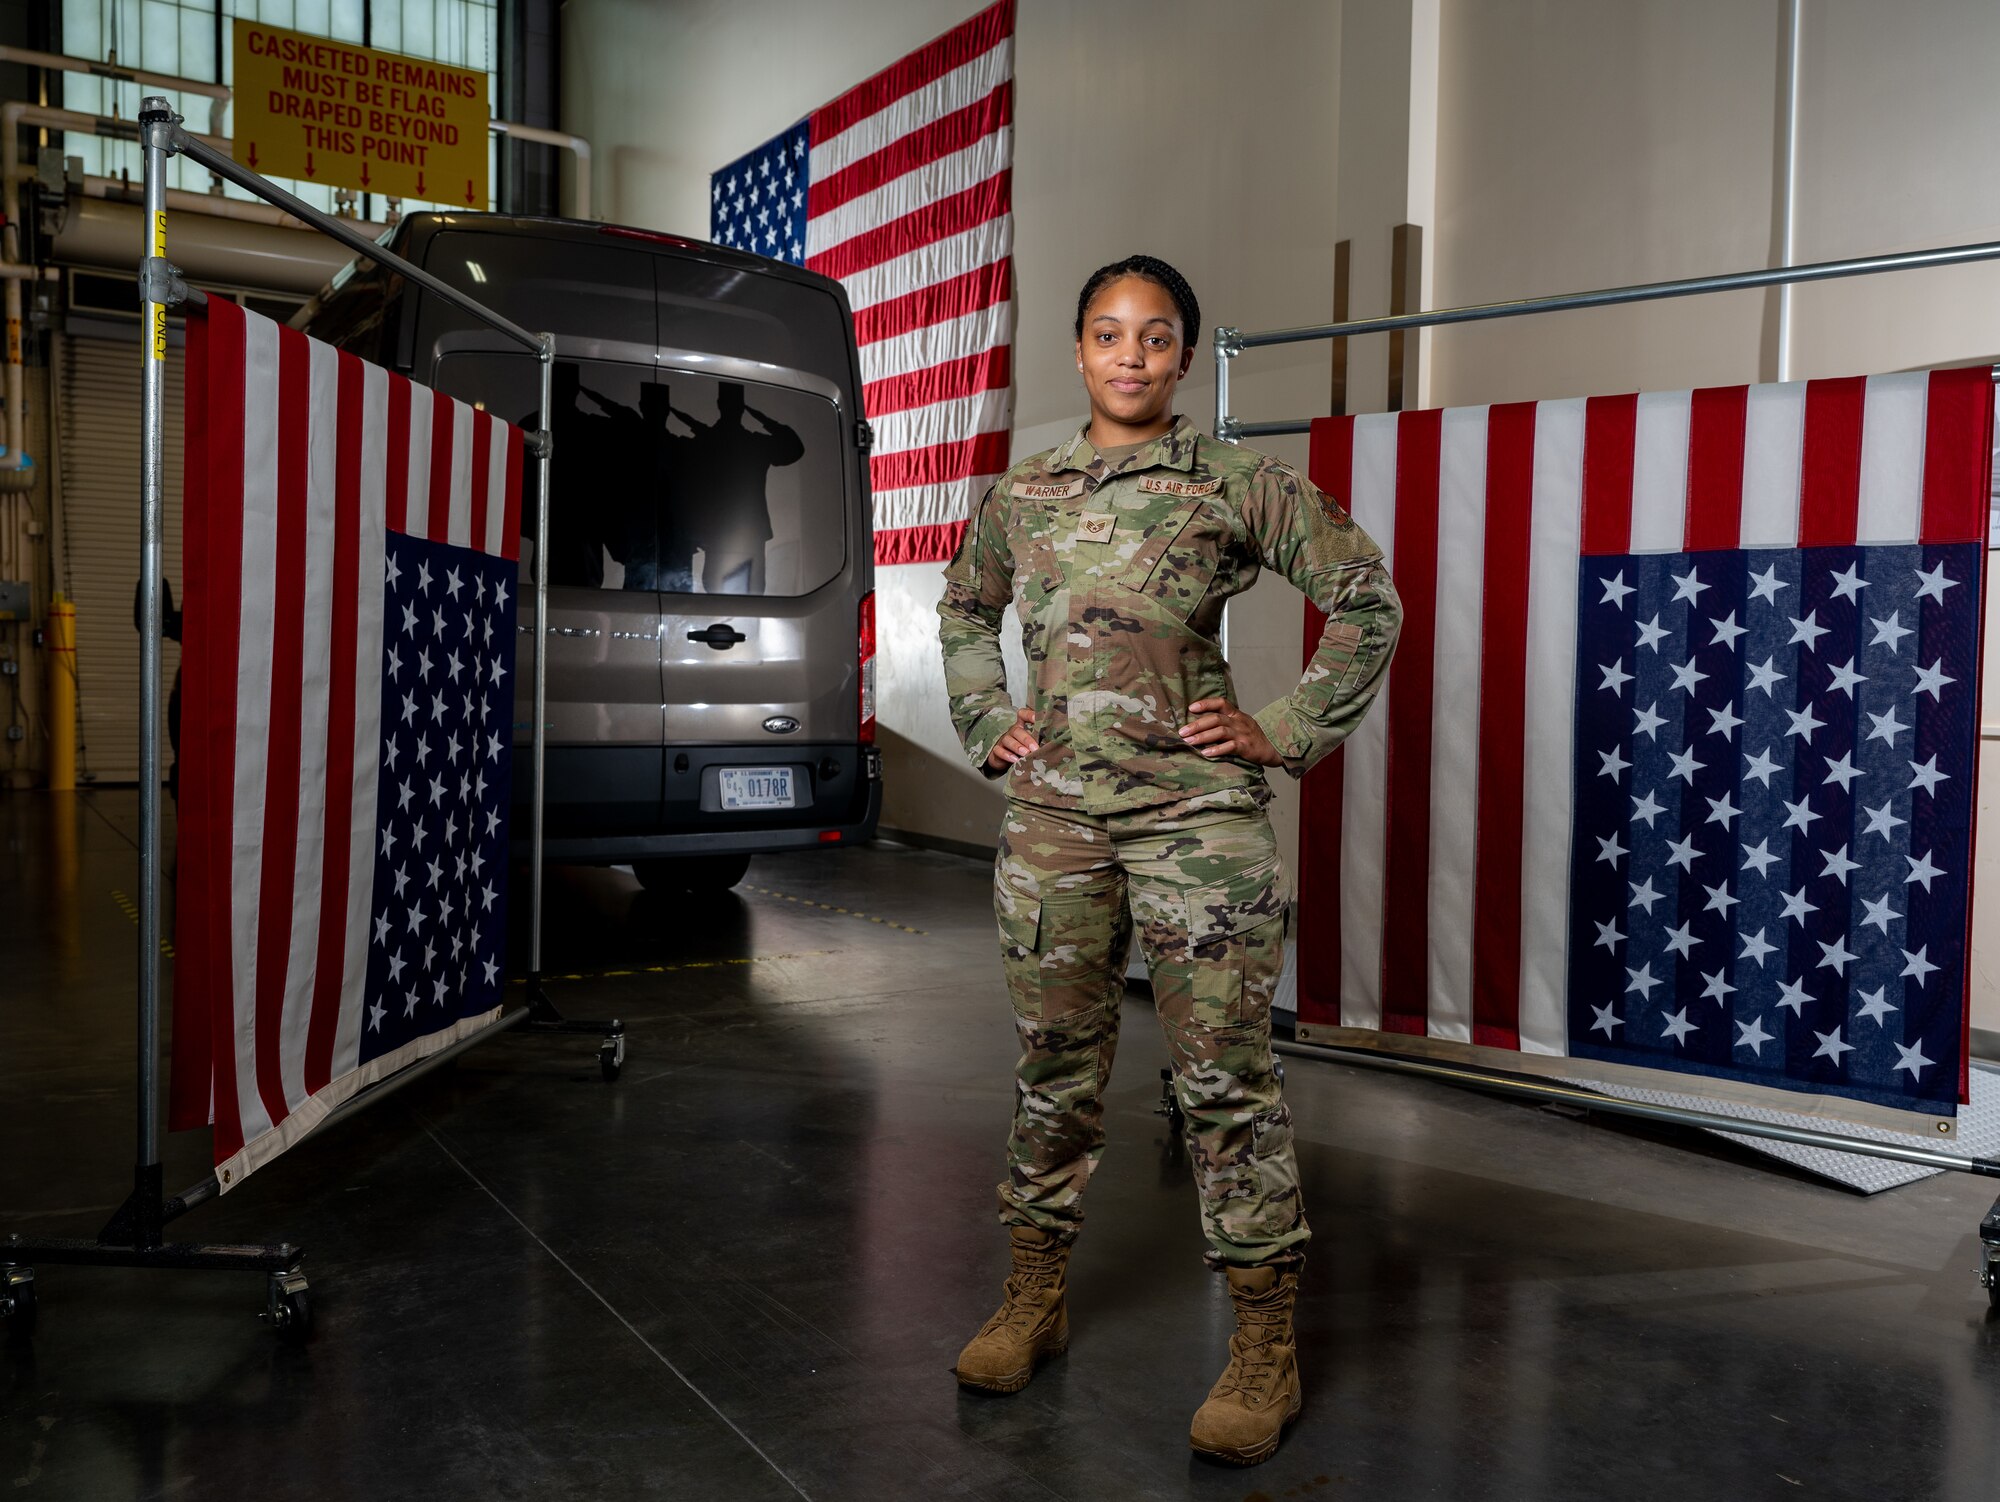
x,y
867,656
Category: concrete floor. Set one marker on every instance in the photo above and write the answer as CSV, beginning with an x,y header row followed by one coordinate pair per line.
x,y
743,1270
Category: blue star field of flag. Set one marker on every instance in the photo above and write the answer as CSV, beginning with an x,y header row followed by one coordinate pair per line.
x,y
1773,813
758,201
437,936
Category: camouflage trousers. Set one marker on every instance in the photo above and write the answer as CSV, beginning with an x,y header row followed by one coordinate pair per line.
x,y
1205,890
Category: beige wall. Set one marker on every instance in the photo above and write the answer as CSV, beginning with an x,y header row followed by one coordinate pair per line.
x,y
1198,132
1388,158
1590,145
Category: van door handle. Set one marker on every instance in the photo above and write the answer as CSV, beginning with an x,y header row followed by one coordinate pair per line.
x,y
719,636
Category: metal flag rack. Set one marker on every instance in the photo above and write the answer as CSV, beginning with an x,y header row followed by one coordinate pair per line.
x,y
1232,342
134,1236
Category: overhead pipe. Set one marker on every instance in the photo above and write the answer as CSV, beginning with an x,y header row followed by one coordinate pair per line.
x,y
250,211
227,252
266,256
216,207
575,145
218,96
17,114
12,117
263,213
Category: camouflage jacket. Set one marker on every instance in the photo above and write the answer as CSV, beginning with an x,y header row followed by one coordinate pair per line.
x,y
1121,572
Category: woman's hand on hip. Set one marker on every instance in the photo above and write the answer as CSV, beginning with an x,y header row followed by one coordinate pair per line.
x,y
1218,729
1018,742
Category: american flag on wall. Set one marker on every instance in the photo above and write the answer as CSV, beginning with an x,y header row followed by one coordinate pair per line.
x,y
351,543
1675,767
902,190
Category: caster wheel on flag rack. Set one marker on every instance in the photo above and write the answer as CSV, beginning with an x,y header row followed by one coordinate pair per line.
x,y
17,1302
1991,1277
611,1056
288,1308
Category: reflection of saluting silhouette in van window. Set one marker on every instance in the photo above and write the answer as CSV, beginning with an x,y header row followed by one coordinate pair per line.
x,y
621,455
719,482
576,533
606,477
674,526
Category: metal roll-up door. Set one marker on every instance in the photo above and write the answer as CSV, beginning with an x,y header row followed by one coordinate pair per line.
x,y
97,440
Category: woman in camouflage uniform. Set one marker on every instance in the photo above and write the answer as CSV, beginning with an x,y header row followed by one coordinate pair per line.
x,y
1136,798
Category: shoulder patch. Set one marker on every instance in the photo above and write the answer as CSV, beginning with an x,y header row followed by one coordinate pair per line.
x,y
1068,490
1334,512
1162,485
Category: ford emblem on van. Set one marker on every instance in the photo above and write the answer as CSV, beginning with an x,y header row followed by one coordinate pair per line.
x,y
710,551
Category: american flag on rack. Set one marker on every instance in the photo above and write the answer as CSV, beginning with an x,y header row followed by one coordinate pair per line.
x,y
902,190
1676,763
351,543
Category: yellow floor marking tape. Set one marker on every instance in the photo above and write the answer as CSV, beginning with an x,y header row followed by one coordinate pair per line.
x,y
131,910
748,959
827,907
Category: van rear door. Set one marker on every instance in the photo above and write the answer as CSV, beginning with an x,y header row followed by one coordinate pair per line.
x,y
604,757
604,680
757,603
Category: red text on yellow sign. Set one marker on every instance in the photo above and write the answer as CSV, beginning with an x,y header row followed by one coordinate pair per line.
x,y
377,122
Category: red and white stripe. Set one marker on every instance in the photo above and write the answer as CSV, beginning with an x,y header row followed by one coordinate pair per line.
x,y
301,458
1435,847
910,206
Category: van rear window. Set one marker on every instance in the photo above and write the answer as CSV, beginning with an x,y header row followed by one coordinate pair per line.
x,y
674,482
611,290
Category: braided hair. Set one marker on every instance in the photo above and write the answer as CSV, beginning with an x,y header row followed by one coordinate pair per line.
x,y
1154,270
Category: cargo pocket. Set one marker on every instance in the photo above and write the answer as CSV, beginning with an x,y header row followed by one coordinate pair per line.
x,y
1056,949
1343,654
1236,946
1020,918
1271,1132
1036,573
1177,564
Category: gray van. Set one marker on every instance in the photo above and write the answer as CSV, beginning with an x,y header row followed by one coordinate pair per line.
x,y
711,559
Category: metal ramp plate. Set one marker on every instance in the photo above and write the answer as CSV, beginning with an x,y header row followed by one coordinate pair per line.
x,y
1978,1133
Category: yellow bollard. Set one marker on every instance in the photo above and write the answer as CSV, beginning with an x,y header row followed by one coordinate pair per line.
x,y
62,696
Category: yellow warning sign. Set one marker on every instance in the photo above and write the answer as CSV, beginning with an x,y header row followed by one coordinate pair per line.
x,y
379,122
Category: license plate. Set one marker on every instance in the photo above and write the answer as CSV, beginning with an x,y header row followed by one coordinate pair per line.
x,y
757,787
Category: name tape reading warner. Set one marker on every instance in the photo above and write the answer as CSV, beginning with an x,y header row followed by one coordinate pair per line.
x,y
380,122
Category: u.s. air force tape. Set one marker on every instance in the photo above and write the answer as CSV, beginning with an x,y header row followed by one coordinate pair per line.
x,y
1166,485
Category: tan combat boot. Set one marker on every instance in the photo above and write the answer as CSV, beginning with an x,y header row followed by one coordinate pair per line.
x,y
1031,1323
1258,1392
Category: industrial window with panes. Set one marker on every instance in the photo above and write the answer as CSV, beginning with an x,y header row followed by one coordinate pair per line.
x,y
191,39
